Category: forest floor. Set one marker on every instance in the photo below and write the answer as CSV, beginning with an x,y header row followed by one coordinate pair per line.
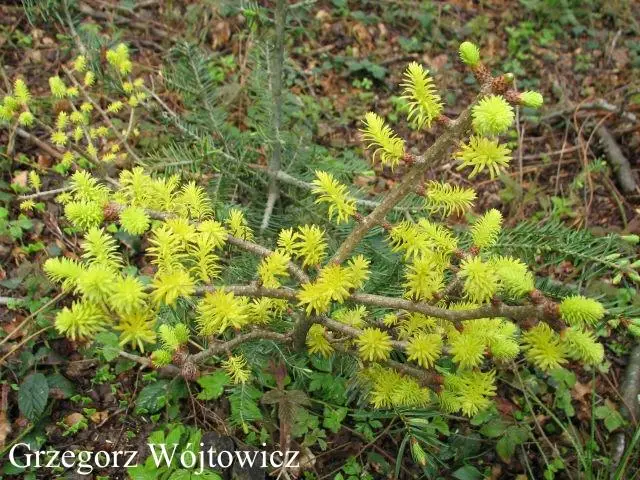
x,y
346,58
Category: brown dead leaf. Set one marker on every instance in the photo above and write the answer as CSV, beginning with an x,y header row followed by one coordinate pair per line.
x,y
10,328
362,35
21,422
57,393
74,418
322,15
77,369
221,34
496,472
44,161
580,390
99,417
362,180
5,425
439,62
620,57
20,178
504,406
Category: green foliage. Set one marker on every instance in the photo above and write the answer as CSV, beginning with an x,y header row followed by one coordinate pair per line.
x,y
33,395
187,443
188,284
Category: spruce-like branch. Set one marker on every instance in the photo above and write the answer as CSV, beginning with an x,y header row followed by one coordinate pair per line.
x,y
435,154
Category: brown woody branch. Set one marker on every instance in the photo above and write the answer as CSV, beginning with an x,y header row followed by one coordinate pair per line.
x,y
226,347
104,116
436,153
518,313
247,245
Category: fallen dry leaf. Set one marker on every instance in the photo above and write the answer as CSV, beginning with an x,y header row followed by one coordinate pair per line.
x,y
580,390
5,425
74,418
20,178
99,417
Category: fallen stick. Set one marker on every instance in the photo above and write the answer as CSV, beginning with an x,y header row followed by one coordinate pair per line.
x,y
597,105
630,403
617,160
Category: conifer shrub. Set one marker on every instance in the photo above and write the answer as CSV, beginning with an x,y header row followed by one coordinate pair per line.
x,y
465,310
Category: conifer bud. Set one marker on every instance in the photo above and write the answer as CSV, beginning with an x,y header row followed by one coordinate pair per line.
x,y
551,310
110,212
180,356
531,99
537,297
189,371
482,73
502,83
469,54
418,453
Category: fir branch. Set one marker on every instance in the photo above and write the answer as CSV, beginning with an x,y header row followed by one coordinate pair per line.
x,y
285,177
247,245
554,242
225,347
103,114
435,154
518,313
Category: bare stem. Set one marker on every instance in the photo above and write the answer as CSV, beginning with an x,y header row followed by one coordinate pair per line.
x,y
104,116
45,193
518,313
284,177
223,347
435,154
275,79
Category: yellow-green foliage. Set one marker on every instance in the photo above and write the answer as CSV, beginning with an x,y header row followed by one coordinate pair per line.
x,y
387,144
330,191
390,389
543,347
469,54
237,369
333,284
492,115
578,310
468,391
486,229
446,199
189,249
75,128
481,281
317,341
374,344
425,104
274,267
220,310
425,349
484,154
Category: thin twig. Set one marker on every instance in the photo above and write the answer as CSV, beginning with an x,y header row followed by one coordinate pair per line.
x,y
284,177
518,313
223,347
45,193
39,143
104,116
17,346
434,155
596,105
